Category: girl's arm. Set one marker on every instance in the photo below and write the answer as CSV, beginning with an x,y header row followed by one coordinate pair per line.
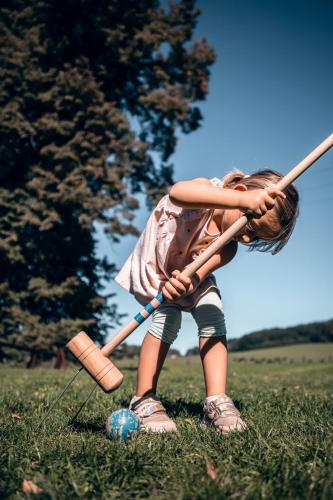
x,y
200,193
179,286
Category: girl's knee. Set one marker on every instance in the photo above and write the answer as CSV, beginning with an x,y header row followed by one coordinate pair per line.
x,y
209,316
166,323
164,336
210,321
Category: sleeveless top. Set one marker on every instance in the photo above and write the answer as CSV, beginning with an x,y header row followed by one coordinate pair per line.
x,y
173,237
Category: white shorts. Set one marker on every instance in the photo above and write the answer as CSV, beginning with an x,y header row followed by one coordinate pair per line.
x,y
208,314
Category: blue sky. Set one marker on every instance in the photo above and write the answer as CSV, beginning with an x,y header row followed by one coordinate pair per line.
x,y
270,103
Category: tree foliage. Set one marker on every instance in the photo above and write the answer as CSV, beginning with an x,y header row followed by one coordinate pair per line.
x,y
273,337
92,94
321,331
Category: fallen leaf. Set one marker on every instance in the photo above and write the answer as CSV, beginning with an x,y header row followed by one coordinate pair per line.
x,y
16,415
30,487
211,470
39,394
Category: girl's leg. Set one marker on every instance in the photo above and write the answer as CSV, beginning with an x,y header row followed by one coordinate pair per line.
x,y
214,358
162,332
209,316
149,409
219,410
152,356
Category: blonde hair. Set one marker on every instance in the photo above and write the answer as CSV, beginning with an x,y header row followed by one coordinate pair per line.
x,y
277,229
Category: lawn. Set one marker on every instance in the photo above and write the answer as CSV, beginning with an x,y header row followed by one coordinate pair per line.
x,y
306,353
285,453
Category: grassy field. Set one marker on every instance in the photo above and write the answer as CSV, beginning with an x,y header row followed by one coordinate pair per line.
x,y
305,353
286,452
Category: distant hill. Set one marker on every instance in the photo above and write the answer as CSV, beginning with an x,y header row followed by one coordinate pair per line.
x,y
321,331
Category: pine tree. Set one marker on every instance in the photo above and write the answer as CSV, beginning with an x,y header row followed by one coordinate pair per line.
x,y
91,94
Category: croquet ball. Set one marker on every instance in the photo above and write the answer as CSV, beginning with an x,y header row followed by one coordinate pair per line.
x,y
122,424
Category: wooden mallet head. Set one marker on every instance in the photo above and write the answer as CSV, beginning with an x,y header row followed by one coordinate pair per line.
x,y
97,364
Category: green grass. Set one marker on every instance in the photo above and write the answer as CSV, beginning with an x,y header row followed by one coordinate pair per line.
x,y
286,452
306,353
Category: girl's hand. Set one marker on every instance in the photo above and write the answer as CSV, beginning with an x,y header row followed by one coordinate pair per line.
x,y
178,286
257,202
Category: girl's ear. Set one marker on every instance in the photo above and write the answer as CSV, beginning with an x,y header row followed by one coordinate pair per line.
x,y
240,187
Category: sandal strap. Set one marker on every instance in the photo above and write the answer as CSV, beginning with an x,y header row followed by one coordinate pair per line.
x,y
137,403
147,406
224,406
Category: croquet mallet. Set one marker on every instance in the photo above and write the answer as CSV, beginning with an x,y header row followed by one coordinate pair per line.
x,y
96,361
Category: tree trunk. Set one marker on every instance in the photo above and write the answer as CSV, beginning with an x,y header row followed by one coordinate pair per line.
x,y
61,361
32,362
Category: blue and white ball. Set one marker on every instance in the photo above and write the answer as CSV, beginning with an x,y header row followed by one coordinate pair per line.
x,y
122,424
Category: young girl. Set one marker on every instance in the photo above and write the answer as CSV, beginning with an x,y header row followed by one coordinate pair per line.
x,y
182,225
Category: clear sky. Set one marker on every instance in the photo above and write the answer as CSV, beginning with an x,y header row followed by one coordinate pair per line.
x,y
270,103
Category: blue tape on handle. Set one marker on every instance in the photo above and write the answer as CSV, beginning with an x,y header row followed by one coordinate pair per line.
x,y
139,318
149,308
160,297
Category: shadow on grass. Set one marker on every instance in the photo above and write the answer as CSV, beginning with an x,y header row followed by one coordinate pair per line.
x,y
239,405
86,426
181,406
